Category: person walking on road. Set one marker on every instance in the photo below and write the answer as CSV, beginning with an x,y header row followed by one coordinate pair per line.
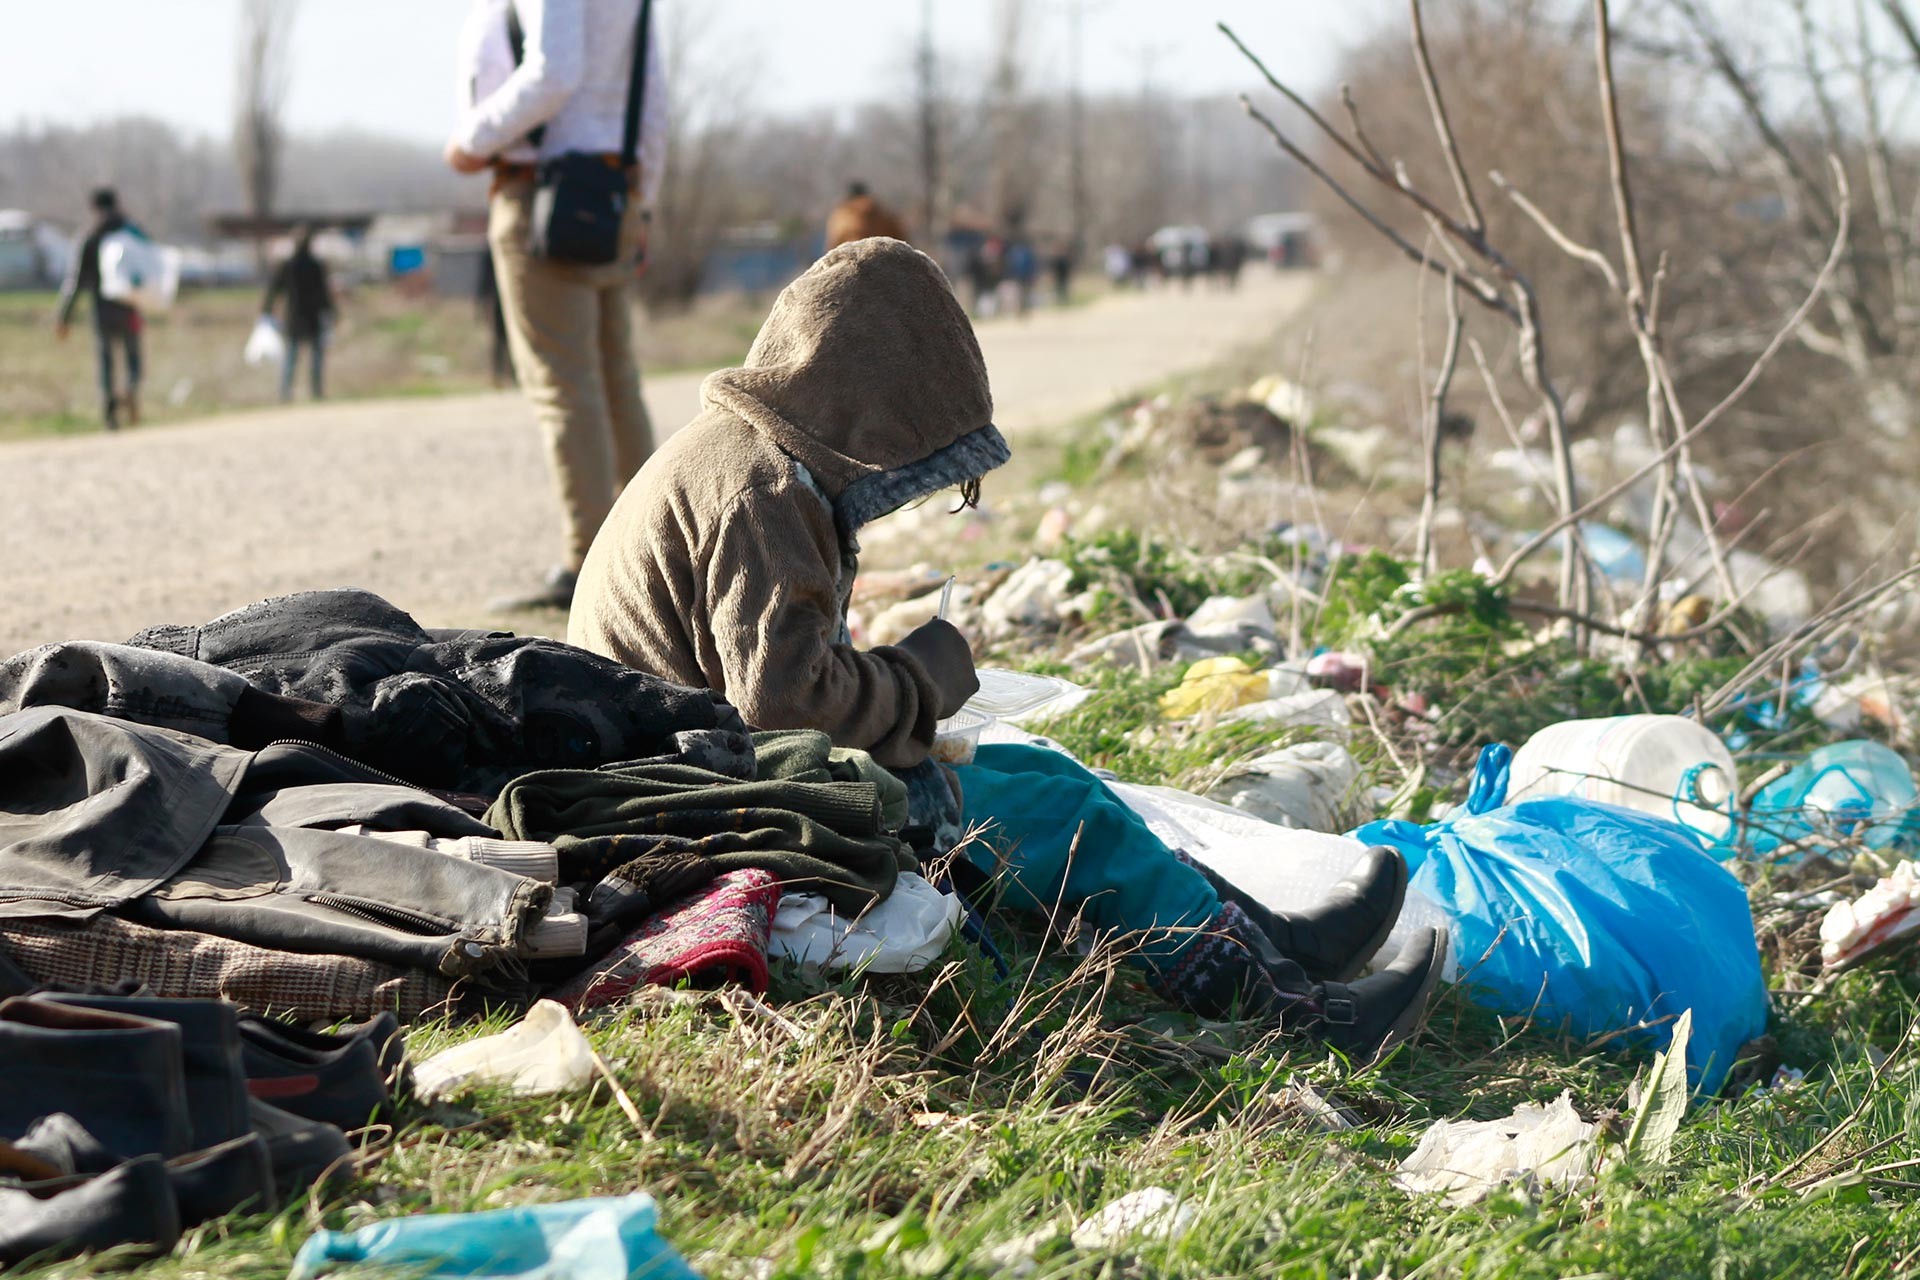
x,y
545,84
859,217
302,280
115,323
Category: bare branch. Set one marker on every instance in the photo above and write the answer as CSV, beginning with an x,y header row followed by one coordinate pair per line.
x,y
1442,126
1436,404
1561,240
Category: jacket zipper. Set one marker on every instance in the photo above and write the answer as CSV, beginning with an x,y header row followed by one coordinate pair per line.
x,y
381,774
382,913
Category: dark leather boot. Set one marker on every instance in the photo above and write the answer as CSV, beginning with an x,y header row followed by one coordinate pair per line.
x,y
210,1053
119,1075
299,1149
336,1079
222,1179
133,1204
1334,940
382,1031
1364,1019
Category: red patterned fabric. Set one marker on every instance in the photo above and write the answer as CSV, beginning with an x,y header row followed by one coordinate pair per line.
x,y
719,934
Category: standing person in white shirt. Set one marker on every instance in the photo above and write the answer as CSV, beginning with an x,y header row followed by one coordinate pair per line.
x,y
564,90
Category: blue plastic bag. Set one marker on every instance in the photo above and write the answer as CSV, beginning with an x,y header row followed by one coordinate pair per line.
x,y
609,1238
1604,917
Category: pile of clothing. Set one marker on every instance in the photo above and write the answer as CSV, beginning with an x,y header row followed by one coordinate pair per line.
x,y
315,807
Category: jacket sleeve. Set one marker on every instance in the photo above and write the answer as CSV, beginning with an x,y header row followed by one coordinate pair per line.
x,y
82,276
276,285
553,68
773,621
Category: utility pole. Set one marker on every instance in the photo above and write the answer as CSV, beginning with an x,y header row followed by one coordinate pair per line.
x,y
932,166
1076,132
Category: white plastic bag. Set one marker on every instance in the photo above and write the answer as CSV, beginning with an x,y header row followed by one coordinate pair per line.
x,y
138,272
904,934
545,1052
1466,1159
266,345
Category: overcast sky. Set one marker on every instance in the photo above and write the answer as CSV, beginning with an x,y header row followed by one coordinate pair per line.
x,y
386,65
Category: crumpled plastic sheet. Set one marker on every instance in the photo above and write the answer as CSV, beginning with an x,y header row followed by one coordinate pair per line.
x,y
610,1238
1464,1160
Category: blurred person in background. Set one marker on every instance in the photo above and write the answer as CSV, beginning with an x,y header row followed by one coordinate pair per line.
x,y
540,80
115,324
302,280
859,217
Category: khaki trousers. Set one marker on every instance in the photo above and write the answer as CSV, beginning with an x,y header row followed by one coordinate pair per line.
x,y
570,329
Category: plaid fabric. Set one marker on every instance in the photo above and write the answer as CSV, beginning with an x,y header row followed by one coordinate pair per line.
x,y
718,934
180,964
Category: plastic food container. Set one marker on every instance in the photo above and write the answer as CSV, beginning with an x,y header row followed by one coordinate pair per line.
x,y
1016,696
956,738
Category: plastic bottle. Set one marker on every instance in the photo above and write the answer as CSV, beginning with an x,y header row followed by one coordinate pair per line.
x,y
1667,766
1856,790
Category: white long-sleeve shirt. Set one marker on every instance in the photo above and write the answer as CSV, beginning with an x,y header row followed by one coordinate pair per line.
x,y
577,58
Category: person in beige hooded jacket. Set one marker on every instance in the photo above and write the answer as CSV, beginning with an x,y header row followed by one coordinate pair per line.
x,y
728,562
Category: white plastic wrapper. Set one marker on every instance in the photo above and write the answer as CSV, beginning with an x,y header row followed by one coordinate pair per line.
x,y
904,934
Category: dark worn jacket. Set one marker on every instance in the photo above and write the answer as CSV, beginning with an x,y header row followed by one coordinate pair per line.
x,y
302,281
161,827
464,710
83,277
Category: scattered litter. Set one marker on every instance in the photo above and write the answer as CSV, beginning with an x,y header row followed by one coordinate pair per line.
x,y
1308,709
544,1052
1309,786
1346,672
1030,597
1858,791
1244,620
610,1238
1873,923
1465,1160
1318,1110
903,934
1216,685
1153,1213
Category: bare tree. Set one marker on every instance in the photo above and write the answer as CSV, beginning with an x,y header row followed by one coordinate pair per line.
x,y
930,110
259,125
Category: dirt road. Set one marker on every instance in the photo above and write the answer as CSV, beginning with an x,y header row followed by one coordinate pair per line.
x,y
442,504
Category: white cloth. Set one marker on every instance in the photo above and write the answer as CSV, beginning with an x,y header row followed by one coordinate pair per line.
x,y
578,56
904,934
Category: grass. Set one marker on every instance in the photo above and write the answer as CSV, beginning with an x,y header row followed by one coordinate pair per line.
x,y
390,342
907,1127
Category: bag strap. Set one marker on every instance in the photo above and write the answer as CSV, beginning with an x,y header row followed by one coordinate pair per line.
x,y
517,41
637,87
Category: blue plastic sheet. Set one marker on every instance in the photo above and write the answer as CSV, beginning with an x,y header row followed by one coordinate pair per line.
x,y
610,1238
1603,917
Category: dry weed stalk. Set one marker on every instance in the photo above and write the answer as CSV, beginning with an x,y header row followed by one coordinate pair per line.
x,y
1483,272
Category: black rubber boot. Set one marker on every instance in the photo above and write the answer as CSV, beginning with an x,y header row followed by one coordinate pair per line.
x,y
119,1075
132,1205
1334,940
1366,1018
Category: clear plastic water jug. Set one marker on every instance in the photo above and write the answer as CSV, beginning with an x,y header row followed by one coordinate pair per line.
x,y
1667,766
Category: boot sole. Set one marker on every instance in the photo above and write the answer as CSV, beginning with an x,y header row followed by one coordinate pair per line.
x,y
1371,948
1414,1016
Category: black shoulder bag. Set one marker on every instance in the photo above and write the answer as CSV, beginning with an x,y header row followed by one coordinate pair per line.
x,y
579,200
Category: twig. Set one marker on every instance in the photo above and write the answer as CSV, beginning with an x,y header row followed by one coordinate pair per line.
x,y
1435,413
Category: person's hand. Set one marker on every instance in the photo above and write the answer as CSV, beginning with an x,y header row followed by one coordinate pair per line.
x,y
948,658
61,329
461,160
